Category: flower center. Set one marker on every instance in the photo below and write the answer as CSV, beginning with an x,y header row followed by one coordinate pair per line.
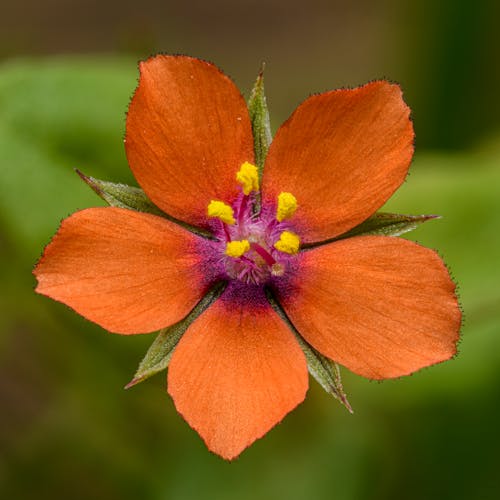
x,y
254,246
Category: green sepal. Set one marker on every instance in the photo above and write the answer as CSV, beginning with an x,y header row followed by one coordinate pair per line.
x,y
132,198
261,125
381,224
387,224
324,370
158,355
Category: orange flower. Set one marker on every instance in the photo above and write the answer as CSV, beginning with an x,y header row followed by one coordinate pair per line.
x,y
381,306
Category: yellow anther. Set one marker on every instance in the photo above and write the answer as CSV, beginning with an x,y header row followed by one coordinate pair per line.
x,y
248,177
237,248
287,204
289,243
221,211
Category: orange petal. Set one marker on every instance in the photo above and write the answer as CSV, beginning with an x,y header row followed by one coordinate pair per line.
x,y
127,271
342,154
188,132
237,371
383,307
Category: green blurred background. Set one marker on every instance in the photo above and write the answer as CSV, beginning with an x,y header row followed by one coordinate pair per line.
x,y
67,427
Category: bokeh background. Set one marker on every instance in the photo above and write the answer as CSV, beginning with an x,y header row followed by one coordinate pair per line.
x,y
67,427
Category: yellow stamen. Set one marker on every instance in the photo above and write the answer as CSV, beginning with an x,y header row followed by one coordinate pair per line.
x,y
248,177
221,211
287,204
237,248
289,243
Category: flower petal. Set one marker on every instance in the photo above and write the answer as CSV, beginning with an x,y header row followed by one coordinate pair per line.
x,y
342,154
236,373
127,271
188,132
381,306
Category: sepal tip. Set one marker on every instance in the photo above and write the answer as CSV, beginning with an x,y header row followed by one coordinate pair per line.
x,y
133,382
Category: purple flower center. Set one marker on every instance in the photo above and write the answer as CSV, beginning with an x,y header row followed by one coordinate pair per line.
x,y
253,246
261,230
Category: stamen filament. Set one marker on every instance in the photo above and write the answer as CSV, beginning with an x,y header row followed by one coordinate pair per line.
x,y
243,206
226,231
246,259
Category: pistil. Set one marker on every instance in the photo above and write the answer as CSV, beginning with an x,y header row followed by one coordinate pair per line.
x,y
268,258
